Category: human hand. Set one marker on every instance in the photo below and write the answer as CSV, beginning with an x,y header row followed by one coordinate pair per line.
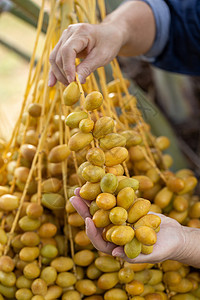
x,y
94,234
97,44
170,239
169,245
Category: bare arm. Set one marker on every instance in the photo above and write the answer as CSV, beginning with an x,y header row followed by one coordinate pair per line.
x,y
191,248
129,30
136,22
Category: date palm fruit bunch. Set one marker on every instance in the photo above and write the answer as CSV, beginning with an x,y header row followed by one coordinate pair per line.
x,y
115,205
90,136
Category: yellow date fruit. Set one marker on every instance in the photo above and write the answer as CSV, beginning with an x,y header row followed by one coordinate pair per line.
x,y
112,140
34,210
125,275
172,278
127,182
163,197
162,142
89,191
175,184
107,264
109,183
184,286
86,287
93,101
122,235
7,279
47,230
86,125
28,224
146,235
101,218
51,185
103,126
29,253
23,294
71,94
53,201
133,248
116,294
39,287
118,215
117,170
180,203
71,295
31,271
126,197
53,292
75,220
147,249
93,173
93,272
35,110
140,208
6,264
74,118
96,157
106,201
65,279
81,238
49,251
134,288
62,264
79,141
93,208
108,280
84,258
156,277
115,156
9,202
149,220
58,154
145,182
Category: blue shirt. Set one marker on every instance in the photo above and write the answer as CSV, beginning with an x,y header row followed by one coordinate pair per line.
x,y
177,43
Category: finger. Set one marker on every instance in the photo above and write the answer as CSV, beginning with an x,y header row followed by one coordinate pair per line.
x,y
153,257
52,79
80,206
59,63
55,58
70,50
57,73
89,64
96,238
77,192
141,258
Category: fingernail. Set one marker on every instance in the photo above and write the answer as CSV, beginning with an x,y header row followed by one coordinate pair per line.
x,y
71,199
76,191
115,253
81,79
49,82
69,79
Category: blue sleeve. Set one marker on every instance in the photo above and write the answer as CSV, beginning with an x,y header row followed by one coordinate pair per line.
x,y
162,19
177,43
182,51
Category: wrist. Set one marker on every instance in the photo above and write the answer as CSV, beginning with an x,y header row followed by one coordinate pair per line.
x,y
119,26
136,23
190,251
